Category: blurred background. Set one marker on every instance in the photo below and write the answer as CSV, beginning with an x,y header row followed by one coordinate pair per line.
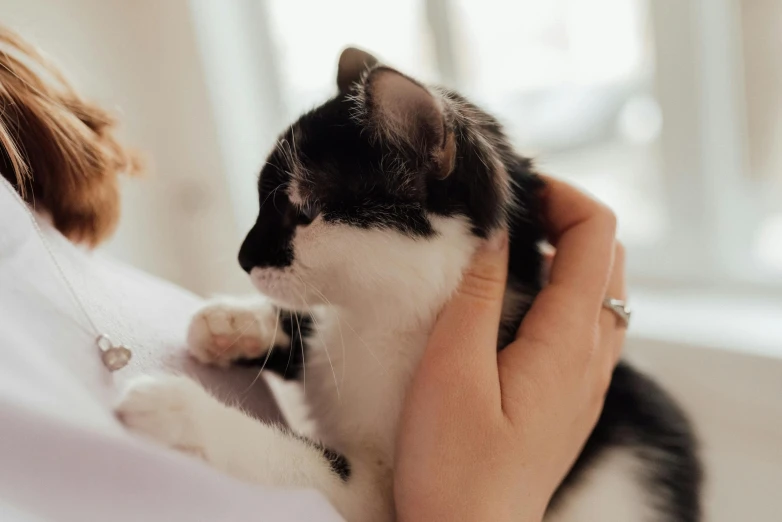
x,y
668,110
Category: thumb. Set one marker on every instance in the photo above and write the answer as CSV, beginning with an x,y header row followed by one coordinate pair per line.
x,y
483,284
466,330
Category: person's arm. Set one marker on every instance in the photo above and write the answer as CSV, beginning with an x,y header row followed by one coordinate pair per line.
x,y
489,436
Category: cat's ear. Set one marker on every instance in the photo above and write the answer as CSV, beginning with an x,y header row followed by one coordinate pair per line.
x,y
352,64
406,112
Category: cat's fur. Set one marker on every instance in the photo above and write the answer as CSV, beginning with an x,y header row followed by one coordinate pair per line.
x,y
371,206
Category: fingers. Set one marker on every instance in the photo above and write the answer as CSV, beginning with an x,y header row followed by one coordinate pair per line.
x,y
583,232
612,331
464,338
561,332
611,338
547,251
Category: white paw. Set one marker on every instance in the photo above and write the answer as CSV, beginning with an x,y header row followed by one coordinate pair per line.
x,y
170,410
223,332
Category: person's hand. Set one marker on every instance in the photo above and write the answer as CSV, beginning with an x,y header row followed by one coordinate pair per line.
x,y
488,436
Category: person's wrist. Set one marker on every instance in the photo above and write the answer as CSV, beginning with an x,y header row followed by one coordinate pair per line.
x,y
474,510
457,515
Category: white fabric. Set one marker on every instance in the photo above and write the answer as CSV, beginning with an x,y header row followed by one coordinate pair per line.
x,y
63,456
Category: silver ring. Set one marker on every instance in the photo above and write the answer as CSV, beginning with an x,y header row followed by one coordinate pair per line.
x,y
620,309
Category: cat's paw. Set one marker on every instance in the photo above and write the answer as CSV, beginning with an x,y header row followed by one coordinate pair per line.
x,y
169,410
224,331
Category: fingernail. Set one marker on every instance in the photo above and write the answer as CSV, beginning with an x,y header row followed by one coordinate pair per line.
x,y
497,241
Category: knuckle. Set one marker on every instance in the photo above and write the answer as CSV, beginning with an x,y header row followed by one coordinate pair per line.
x,y
482,283
596,411
607,217
581,358
603,214
620,252
604,377
535,336
587,349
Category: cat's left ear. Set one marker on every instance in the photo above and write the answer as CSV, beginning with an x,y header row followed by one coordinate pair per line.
x,y
405,112
353,63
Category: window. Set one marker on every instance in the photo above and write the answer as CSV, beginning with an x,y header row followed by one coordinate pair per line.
x,y
308,37
667,110
761,20
574,84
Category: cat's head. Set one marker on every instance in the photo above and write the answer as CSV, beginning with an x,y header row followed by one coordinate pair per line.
x,y
380,193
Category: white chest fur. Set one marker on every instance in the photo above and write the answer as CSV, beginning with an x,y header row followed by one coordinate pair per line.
x,y
355,381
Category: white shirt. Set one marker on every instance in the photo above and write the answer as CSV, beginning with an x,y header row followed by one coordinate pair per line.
x,y
63,455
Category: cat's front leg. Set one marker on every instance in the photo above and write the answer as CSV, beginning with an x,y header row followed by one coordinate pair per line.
x,y
180,414
229,330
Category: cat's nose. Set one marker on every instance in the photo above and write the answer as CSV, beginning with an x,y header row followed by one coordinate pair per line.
x,y
247,257
245,262
267,245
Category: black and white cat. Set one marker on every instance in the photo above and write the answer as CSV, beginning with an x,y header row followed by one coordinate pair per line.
x,y
371,206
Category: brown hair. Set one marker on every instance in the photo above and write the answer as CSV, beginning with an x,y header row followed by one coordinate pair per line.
x,y
57,149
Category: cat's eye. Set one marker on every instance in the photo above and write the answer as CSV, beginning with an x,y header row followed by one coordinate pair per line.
x,y
307,213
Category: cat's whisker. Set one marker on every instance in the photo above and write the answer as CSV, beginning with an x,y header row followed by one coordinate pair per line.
x,y
268,352
382,366
296,163
351,328
236,340
286,157
339,323
290,355
274,198
293,144
272,193
287,152
320,335
339,326
363,342
303,362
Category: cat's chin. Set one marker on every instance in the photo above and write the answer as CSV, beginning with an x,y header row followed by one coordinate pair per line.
x,y
280,297
287,305
281,291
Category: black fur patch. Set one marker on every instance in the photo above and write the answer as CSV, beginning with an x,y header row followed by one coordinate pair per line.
x,y
639,416
354,179
339,463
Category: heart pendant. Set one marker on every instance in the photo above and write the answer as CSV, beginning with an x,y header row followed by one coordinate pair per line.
x,y
114,357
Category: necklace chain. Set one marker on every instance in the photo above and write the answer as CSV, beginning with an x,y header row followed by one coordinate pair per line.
x,y
114,357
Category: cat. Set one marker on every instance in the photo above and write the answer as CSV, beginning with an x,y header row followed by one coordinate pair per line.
x,y
371,206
